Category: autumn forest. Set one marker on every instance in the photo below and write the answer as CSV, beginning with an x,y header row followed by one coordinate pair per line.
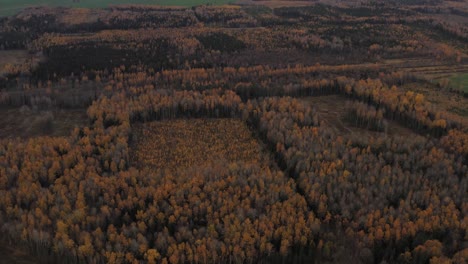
x,y
255,132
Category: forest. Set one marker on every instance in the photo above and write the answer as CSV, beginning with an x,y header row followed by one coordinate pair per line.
x,y
252,132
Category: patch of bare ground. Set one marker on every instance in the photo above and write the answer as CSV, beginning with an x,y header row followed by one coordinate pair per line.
x,y
332,111
25,122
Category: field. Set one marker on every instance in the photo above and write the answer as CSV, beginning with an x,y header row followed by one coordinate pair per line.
x,y
11,7
459,81
181,144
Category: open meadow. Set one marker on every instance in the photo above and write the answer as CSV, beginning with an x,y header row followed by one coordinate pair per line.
x,y
459,81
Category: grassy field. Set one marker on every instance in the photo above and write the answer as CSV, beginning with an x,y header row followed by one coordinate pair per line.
x,y
460,81
11,7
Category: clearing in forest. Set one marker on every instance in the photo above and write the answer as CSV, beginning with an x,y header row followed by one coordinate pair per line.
x,y
25,122
332,110
441,98
183,143
14,60
459,81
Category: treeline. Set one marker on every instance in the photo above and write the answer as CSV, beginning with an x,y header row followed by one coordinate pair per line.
x,y
366,116
409,108
255,81
64,60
